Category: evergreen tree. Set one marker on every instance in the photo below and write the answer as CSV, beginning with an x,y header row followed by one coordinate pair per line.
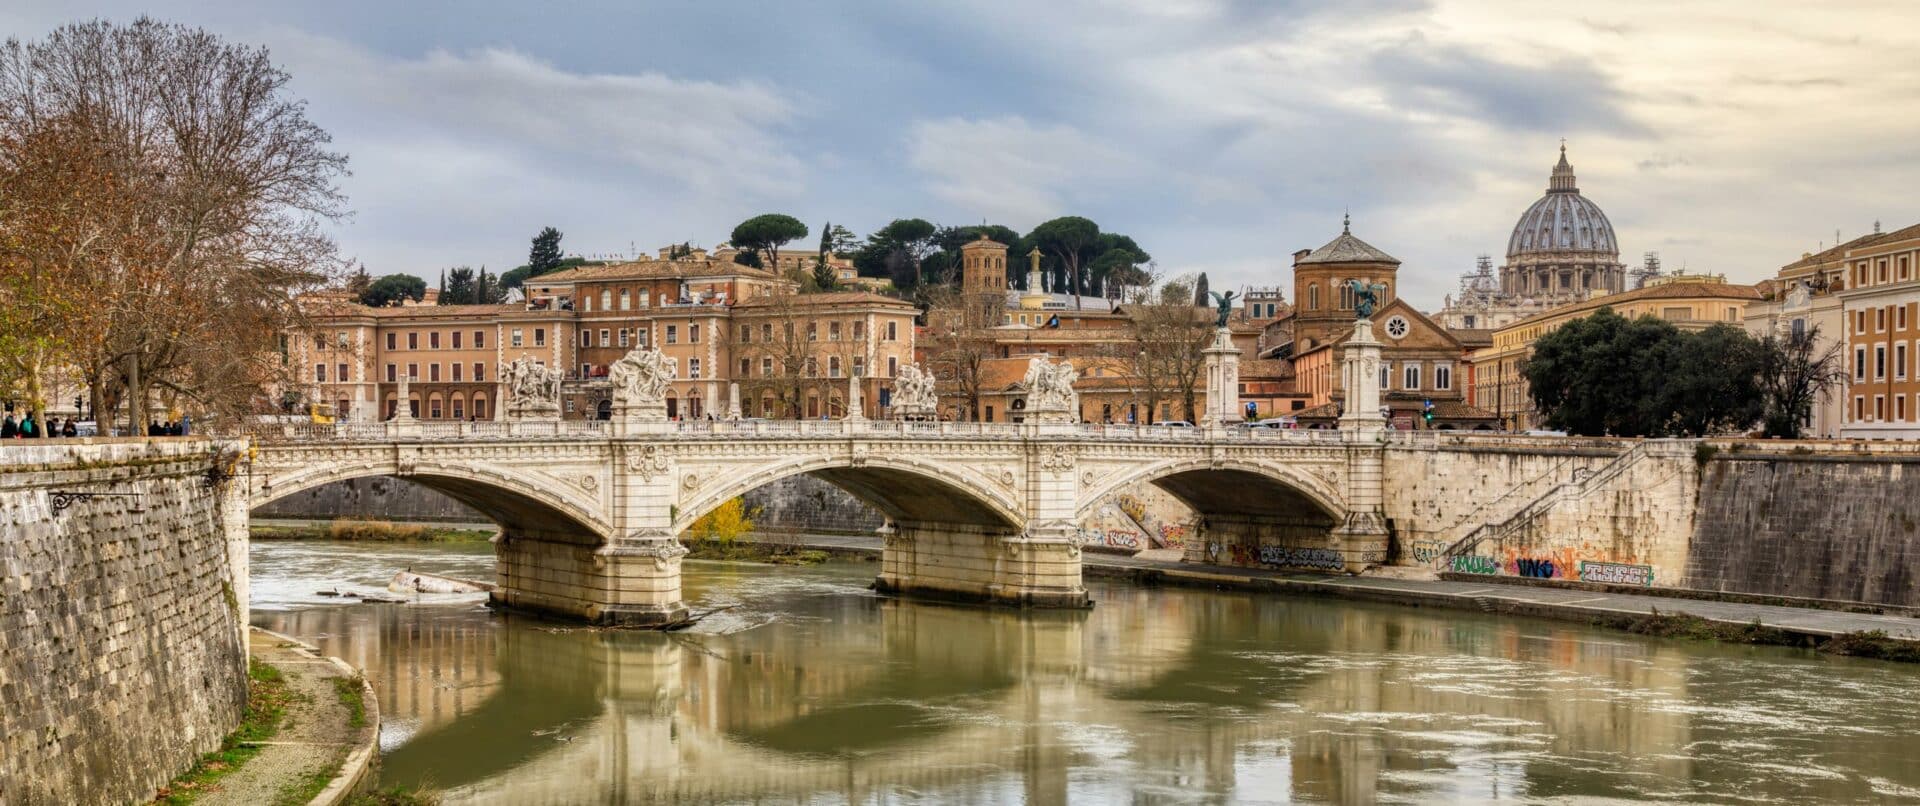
x,y
459,288
544,257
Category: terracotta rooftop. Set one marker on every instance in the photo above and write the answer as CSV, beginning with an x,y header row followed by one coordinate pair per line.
x,y
1472,336
1829,255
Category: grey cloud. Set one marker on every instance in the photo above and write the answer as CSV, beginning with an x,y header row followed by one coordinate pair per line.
x,y
1561,96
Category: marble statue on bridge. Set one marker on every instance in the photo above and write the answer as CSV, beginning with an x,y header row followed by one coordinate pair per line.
x,y
1050,393
533,389
913,394
640,378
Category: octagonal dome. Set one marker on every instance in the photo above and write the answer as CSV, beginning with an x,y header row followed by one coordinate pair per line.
x,y
1563,221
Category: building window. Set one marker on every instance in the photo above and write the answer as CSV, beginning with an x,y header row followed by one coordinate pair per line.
x,y
1900,360
833,331
586,338
746,367
320,373
516,337
1680,314
1859,364
1859,408
433,340
813,368
413,341
1799,328
1411,376
479,343
433,372
539,337
1346,297
456,340
625,336
1313,296
340,373
859,367
606,337
746,334
459,405
390,338
693,334
1900,408
1443,376
859,329
626,302
1879,361
393,373
413,372
479,376
693,367
766,333
813,331
892,334
766,367
1386,375
1859,322
456,371
606,300
893,367
833,366
1879,408
673,334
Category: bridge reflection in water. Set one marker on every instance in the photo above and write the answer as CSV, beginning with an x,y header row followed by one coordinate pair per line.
x,y
1156,695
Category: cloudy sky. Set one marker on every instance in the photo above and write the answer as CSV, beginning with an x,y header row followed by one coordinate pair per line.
x,y
1221,134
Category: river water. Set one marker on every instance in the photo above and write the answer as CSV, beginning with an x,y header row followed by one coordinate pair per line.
x,y
811,689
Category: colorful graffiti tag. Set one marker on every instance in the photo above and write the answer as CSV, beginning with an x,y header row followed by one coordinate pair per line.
x,y
1173,535
1292,557
1534,568
1616,573
1470,564
1124,539
1426,551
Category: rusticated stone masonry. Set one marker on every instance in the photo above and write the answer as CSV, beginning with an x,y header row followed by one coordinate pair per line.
x,y
122,655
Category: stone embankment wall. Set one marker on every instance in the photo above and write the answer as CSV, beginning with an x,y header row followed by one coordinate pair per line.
x,y
1838,521
1613,511
122,616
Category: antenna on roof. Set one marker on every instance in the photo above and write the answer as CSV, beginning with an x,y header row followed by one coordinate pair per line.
x,y
1876,226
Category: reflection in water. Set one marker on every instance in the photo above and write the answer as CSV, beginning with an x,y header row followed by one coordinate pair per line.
x,y
811,688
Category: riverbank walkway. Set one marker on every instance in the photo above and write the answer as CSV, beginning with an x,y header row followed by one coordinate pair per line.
x,y
318,740
1492,597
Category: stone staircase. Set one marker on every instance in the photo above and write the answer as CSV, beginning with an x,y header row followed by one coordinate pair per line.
x,y
1581,482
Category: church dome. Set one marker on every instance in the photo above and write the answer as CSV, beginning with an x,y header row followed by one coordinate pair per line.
x,y
1563,221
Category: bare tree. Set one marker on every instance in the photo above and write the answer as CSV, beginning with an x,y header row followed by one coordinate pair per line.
x,y
226,184
791,346
961,328
1795,373
1162,357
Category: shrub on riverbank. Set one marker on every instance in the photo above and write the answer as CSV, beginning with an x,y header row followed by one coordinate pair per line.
x,y
371,530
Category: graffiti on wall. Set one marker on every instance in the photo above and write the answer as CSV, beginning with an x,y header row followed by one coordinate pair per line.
x,y
1534,568
1126,539
1134,507
1426,551
1292,557
1616,573
1473,564
1173,535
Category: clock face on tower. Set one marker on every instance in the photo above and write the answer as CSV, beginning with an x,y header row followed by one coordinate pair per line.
x,y
1397,327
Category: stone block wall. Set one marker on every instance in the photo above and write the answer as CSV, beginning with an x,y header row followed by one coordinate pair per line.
x,y
122,617
1814,526
808,504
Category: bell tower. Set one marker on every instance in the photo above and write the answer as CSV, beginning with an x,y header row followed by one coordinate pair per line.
x,y
983,266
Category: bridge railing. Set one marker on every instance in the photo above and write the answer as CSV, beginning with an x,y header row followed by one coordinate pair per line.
x,y
765,429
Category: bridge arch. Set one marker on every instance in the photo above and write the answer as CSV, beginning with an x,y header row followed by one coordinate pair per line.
x,y
905,489
1228,487
520,504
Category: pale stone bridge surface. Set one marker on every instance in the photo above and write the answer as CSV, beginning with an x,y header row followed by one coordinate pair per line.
x,y
590,517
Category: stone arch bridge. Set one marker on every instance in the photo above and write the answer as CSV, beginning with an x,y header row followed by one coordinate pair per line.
x,y
590,518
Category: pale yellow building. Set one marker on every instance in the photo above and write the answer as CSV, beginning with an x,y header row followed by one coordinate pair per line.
x,y
1500,387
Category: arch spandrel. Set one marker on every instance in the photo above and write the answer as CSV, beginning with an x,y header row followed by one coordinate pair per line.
x,y
905,490
521,502
1228,486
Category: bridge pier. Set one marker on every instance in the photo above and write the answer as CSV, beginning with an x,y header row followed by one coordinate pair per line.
x,y
626,582
959,562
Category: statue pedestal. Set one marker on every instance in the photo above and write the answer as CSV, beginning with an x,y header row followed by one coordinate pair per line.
x,y
1223,381
1360,377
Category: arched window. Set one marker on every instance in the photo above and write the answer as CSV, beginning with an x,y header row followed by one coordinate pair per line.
x,y
1346,296
626,300
479,406
1313,296
458,404
606,300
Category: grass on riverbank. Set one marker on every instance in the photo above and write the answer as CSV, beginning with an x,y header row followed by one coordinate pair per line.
x,y
1871,644
396,796
352,693
267,699
369,530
